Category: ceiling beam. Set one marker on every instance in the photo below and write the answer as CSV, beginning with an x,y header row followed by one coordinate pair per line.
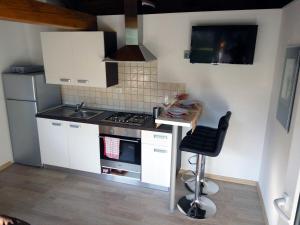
x,y
35,12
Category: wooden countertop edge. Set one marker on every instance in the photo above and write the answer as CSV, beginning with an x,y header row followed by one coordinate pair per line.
x,y
190,124
173,123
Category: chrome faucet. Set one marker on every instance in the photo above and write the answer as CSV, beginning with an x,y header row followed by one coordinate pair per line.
x,y
79,107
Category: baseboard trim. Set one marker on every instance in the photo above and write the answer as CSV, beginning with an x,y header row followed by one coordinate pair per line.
x,y
232,179
262,203
227,179
5,165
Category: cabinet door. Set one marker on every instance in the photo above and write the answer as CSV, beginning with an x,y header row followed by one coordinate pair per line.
x,y
88,58
84,149
156,165
53,142
58,57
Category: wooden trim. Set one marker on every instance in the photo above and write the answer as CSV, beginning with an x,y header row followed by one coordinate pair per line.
x,y
262,204
35,12
5,165
227,179
231,179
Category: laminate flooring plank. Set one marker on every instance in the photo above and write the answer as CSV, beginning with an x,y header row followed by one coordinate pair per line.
x,y
53,197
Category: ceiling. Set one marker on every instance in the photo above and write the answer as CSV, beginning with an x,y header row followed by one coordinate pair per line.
x,y
113,7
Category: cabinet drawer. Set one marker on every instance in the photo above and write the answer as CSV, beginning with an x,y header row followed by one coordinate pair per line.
x,y
157,138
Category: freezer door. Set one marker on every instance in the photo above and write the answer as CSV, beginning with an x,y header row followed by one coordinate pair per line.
x,y
23,132
19,87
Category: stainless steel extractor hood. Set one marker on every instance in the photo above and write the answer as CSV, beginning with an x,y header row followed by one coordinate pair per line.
x,y
134,50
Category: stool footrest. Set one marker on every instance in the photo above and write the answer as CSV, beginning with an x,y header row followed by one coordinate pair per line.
x,y
210,187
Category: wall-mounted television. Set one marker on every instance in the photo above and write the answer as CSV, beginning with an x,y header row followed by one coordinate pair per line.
x,y
234,44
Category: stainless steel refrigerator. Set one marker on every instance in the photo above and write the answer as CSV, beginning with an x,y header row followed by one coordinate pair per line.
x,y
27,94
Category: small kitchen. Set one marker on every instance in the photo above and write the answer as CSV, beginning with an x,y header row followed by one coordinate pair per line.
x,y
143,116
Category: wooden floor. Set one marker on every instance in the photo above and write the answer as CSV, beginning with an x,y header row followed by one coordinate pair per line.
x,y
44,197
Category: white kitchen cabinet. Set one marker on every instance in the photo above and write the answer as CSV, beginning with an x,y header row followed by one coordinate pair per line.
x,y
156,158
76,58
53,142
156,138
83,145
69,145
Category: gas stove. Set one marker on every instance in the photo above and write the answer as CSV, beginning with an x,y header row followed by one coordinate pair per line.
x,y
136,119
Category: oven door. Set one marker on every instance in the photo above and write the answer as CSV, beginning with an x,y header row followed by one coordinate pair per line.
x,y
130,149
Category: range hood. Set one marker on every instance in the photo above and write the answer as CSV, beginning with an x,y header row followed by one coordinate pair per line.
x,y
134,50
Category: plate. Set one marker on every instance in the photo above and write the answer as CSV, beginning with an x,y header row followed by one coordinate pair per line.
x,y
176,111
188,102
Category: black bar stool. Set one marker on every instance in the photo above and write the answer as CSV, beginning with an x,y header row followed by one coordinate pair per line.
x,y
209,187
204,142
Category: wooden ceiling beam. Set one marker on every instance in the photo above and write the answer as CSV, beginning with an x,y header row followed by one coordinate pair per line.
x,y
35,12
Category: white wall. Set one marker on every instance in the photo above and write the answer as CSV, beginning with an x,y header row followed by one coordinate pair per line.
x,y
277,141
19,43
243,89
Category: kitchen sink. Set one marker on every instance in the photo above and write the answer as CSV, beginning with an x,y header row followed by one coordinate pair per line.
x,y
85,114
72,112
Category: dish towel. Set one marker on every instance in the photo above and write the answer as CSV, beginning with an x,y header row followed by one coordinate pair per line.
x,y
111,147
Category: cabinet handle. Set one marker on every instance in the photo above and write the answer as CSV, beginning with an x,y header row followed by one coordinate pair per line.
x,y
56,124
160,150
160,136
82,81
74,126
65,80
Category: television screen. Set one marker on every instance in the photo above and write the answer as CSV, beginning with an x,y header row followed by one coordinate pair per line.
x,y
233,44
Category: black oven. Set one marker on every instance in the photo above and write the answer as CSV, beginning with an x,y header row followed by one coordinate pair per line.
x,y
129,149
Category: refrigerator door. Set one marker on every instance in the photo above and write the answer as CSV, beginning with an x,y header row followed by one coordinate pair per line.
x,y
19,87
23,132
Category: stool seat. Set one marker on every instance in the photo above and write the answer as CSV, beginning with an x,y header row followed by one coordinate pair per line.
x,y
199,145
204,131
206,141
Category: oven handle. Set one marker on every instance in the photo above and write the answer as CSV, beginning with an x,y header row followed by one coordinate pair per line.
x,y
122,139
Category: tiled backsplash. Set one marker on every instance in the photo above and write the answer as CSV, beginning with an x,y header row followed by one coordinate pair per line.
x,y
138,90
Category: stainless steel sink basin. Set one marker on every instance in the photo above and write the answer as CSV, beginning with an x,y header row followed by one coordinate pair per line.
x,y
85,114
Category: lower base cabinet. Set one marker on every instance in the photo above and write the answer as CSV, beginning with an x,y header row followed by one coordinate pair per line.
x,y
69,145
156,158
156,165
84,150
53,142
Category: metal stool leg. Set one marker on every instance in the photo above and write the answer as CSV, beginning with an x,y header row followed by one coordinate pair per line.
x,y
197,206
209,186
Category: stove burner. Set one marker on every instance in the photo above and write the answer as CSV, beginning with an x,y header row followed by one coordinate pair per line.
x,y
127,118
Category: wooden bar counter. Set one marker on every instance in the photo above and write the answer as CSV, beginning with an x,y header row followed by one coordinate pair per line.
x,y
189,120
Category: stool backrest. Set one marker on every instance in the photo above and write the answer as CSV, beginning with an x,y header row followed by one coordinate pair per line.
x,y
222,130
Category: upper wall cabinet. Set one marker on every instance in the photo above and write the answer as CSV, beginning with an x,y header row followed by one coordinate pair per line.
x,y
76,58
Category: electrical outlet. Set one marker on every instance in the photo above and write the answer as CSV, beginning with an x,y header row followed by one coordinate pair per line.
x,y
187,54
